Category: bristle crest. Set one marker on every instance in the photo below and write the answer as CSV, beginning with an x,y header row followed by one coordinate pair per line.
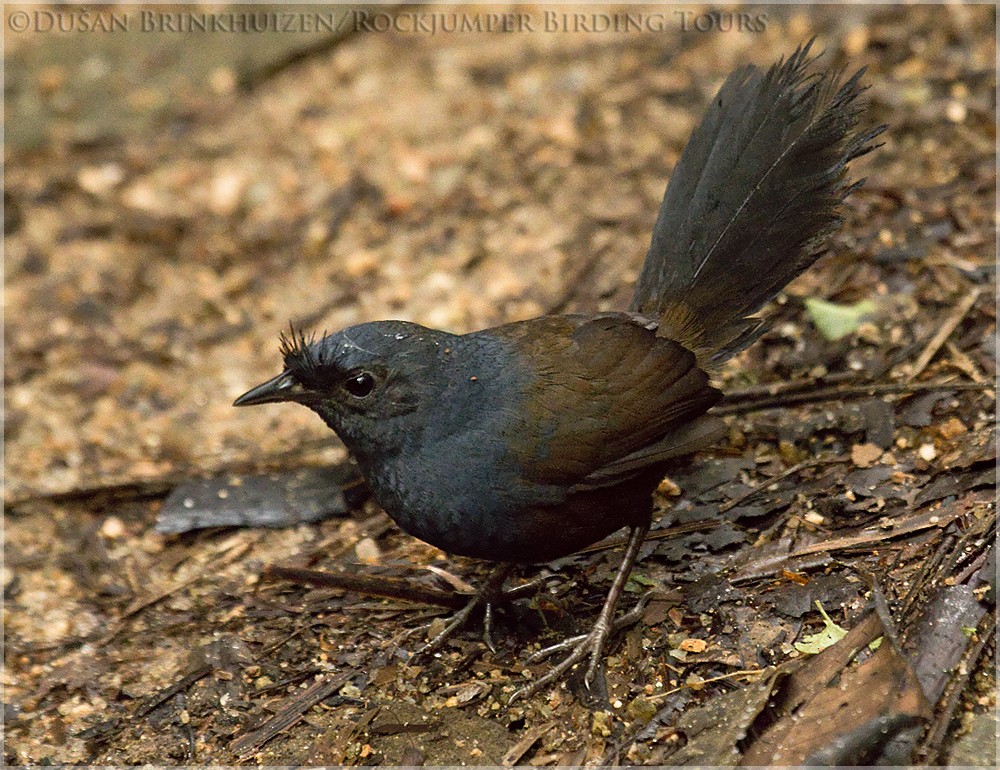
x,y
302,357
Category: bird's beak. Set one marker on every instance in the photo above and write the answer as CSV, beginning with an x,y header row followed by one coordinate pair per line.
x,y
275,390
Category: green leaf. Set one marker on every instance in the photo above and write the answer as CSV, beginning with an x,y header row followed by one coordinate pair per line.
x,y
835,321
637,583
830,635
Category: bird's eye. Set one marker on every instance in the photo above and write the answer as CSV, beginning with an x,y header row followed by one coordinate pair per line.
x,y
360,385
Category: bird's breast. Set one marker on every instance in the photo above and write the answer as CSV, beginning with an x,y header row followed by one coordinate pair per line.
x,y
490,513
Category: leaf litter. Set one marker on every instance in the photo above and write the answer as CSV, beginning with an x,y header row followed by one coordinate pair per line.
x,y
149,271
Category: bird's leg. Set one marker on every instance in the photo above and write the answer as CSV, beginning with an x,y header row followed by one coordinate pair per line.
x,y
630,618
592,643
491,591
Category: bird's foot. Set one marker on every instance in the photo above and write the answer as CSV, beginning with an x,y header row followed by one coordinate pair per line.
x,y
592,644
586,645
487,597
457,621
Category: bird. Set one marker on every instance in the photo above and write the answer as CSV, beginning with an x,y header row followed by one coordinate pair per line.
x,y
528,441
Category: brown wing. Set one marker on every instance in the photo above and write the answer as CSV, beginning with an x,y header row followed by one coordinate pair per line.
x,y
684,439
606,397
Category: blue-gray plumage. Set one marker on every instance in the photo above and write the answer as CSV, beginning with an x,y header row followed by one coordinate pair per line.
x,y
531,440
490,464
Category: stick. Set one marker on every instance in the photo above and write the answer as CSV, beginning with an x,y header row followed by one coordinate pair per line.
x,y
722,677
783,475
657,534
791,386
736,403
288,714
388,588
961,310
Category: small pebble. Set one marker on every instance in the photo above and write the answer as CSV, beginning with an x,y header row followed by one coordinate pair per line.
x,y
956,112
100,180
113,528
367,551
600,725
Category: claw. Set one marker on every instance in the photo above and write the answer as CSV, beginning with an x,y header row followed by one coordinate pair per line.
x,y
486,597
594,642
458,620
546,652
488,626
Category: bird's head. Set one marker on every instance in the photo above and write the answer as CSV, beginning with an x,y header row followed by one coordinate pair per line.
x,y
364,381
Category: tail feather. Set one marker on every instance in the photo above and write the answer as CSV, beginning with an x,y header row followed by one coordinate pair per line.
x,y
754,196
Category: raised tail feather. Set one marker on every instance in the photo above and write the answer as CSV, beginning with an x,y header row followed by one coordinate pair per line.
x,y
749,206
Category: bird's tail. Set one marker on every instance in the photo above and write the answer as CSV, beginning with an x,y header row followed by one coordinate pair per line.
x,y
751,202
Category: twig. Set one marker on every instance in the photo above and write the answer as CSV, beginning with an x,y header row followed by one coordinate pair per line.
x,y
170,691
778,395
581,243
791,386
295,678
288,714
880,605
518,750
728,506
935,343
130,490
975,565
262,73
141,604
388,588
199,466
736,403
861,538
963,363
658,534
733,675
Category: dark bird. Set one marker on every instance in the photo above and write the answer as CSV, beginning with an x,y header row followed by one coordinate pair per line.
x,y
529,441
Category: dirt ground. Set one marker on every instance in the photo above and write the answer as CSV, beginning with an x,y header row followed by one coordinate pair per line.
x,y
172,201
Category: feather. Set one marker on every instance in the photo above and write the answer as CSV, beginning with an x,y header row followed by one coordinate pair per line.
x,y
751,202
302,357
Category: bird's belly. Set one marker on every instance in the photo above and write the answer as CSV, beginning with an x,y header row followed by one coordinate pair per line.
x,y
526,539
500,527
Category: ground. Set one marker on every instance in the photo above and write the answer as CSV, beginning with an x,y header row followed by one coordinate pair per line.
x,y
172,202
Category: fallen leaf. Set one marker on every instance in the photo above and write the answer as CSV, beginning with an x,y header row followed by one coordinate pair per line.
x,y
865,455
693,645
830,635
951,428
835,321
